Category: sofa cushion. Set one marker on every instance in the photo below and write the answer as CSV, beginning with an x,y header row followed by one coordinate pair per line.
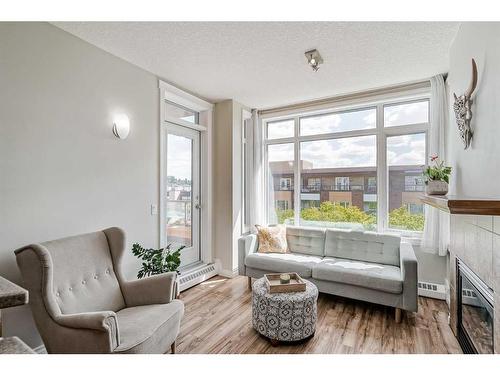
x,y
272,239
306,240
363,246
273,262
377,276
159,326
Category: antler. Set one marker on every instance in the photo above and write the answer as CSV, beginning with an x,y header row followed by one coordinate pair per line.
x,y
473,82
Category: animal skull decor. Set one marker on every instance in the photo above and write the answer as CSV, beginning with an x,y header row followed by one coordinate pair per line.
x,y
462,108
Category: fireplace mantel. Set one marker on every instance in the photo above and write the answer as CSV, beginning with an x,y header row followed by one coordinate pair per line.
x,y
462,205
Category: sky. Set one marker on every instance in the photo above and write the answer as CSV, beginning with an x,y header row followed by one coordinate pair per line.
x,y
333,153
179,151
353,151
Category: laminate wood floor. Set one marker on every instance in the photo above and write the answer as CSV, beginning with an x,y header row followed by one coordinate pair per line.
x,y
218,320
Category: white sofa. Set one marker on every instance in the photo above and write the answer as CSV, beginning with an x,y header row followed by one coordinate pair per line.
x,y
366,266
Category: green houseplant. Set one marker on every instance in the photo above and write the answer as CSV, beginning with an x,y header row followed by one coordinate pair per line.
x,y
157,261
437,177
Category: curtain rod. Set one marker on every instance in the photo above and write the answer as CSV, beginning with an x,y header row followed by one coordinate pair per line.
x,y
339,98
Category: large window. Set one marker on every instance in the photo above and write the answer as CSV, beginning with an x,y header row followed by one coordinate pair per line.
x,y
360,168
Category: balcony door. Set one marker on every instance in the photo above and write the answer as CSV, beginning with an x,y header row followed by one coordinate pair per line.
x,y
183,192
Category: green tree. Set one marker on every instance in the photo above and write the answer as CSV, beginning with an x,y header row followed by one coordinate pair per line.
x,y
284,215
330,212
400,218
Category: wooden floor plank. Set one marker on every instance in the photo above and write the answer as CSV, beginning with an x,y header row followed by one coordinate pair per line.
x,y
218,317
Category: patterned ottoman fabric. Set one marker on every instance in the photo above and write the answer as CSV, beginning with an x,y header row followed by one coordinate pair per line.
x,y
284,316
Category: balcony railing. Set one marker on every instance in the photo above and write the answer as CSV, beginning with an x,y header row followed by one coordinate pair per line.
x,y
339,187
414,187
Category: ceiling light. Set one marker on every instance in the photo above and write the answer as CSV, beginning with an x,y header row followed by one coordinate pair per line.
x,y
314,59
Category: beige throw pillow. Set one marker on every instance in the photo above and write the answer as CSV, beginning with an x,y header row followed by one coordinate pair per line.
x,y
272,239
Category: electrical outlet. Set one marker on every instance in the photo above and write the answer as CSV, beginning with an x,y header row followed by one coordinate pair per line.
x,y
154,209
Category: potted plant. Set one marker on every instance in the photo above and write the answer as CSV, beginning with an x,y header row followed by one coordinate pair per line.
x,y
437,177
156,261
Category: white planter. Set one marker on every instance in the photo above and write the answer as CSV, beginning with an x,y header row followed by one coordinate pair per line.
x,y
436,188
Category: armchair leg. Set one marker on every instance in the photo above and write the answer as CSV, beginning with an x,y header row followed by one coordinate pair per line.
x,y
249,283
172,348
397,316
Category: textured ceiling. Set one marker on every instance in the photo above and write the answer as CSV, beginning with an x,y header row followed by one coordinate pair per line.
x,y
262,64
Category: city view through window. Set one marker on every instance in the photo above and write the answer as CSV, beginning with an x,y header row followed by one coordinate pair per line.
x,y
338,175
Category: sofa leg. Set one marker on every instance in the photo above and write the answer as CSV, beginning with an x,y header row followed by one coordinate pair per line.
x,y
172,348
249,282
397,316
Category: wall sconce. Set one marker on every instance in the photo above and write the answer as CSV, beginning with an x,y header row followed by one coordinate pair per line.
x,y
314,59
121,126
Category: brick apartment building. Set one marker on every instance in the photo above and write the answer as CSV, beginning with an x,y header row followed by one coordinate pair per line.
x,y
355,186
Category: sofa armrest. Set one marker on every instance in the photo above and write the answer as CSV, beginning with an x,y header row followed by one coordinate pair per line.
x,y
152,290
409,273
247,244
104,321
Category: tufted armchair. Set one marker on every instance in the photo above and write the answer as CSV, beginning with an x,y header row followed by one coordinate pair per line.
x,y
82,303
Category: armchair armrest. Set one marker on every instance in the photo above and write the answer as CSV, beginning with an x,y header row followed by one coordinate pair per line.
x,y
104,321
99,320
151,290
246,245
409,273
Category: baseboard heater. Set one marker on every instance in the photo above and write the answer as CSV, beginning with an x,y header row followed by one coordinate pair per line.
x,y
197,275
431,290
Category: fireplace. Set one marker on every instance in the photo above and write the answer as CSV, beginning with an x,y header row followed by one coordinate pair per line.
x,y
475,312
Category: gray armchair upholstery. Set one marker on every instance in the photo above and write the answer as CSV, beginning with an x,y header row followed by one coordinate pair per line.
x,y
82,303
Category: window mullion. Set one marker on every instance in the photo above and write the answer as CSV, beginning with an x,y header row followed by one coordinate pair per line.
x,y
382,180
296,175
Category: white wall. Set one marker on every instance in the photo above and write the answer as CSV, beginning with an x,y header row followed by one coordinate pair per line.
x,y
62,172
227,194
476,170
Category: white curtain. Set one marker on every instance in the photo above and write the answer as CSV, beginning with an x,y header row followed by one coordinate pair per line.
x,y
436,228
257,194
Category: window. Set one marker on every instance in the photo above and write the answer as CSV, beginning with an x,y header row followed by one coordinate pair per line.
x,y
280,171
405,158
181,113
286,183
339,159
371,185
282,205
338,122
414,183
342,183
406,114
280,129
314,184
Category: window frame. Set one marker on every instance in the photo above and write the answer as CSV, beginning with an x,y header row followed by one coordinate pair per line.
x,y
380,131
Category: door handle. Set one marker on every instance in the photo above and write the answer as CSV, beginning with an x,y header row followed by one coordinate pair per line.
x,y
197,206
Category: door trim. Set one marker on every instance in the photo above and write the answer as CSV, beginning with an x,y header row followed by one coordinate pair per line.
x,y
205,109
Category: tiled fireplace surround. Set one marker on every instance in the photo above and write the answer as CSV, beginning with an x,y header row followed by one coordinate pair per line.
x,y
475,240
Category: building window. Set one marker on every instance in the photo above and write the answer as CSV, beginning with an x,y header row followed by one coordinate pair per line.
x,y
314,184
342,183
341,157
286,184
281,205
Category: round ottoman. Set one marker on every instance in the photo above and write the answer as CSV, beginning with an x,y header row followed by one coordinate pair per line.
x,y
284,316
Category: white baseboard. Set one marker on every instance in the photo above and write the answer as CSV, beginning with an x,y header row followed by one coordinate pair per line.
x,y
426,289
229,274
